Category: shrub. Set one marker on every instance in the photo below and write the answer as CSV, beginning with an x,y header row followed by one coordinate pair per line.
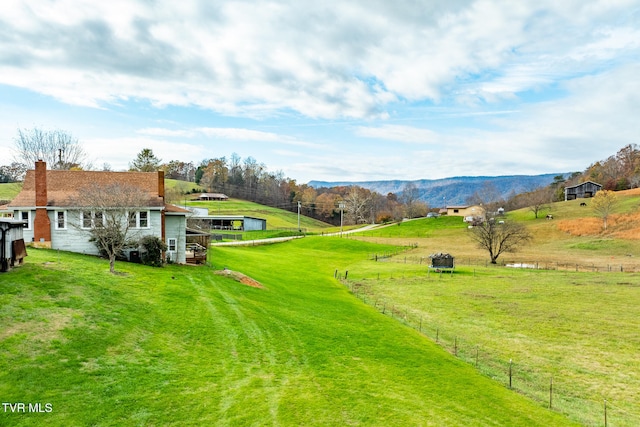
x,y
152,248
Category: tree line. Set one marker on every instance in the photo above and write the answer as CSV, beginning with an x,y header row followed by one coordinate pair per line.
x,y
251,180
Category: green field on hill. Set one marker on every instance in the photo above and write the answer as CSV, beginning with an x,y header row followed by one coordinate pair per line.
x,y
276,218
9,190
181,345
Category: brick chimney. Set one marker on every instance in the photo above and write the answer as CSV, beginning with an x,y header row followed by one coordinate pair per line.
x,y
41,223
161,184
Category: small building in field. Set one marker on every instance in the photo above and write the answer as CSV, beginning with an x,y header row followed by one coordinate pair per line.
x,y
582,191
442,261
12,247
212,196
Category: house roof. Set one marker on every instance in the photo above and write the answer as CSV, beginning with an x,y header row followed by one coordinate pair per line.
x,y
216,195
63,186
175,209
583,183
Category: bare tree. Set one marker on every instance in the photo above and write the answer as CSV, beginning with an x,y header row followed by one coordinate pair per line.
x,y
410,197
108,211
56,147
498,237
357,205
603,203
538,200
13,172
488,198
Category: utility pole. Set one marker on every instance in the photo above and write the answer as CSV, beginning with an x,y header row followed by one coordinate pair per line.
x,y
341,205
299,216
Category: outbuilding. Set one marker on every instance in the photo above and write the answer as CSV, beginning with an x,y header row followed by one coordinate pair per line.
x,y
582,190
12,248
442,261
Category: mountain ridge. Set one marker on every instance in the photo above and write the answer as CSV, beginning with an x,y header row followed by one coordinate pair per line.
x,y
453,190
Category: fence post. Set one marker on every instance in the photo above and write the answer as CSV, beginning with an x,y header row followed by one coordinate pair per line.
x,y
437,334
551,393
455,346
346,273
477,351
605,413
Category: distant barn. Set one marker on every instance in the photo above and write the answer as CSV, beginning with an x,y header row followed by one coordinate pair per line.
x,y
581,191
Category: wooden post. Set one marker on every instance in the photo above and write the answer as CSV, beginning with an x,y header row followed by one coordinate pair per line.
x,y
605,413
551,393
455,346
437,334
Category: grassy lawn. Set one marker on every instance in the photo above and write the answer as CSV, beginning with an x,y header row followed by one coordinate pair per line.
x,y
183,346
9,190
579,328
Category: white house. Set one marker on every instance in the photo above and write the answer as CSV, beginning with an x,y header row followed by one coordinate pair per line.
x,y
46,204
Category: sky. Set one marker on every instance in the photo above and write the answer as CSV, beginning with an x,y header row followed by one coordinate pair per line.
x,y
332,90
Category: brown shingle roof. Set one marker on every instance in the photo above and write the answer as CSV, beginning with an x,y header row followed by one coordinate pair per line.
x,y
63,186
173,208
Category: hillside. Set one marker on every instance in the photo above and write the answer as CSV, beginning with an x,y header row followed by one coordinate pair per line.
x,y
183,346
9,190
452,191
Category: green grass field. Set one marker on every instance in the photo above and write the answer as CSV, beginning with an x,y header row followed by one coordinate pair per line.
x,y
183,346
9,190
579,328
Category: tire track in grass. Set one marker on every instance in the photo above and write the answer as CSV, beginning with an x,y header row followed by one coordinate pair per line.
x,y
261,345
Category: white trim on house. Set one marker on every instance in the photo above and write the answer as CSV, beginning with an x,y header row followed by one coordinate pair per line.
x,y
140,219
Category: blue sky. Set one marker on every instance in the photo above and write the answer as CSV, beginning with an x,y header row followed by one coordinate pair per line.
x,y
333,90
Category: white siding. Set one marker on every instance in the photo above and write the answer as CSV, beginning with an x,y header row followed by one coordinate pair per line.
x,y
175,228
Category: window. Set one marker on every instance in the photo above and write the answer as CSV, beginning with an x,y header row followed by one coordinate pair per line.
x,y
98,220
132,219
139,219
61,220
86,219
25,216
171,245
90,219
144,219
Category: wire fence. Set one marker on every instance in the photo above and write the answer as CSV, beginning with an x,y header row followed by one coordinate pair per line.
x,y
546,389
617,267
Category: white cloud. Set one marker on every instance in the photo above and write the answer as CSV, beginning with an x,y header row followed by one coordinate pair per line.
x,y
457,87
322,60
